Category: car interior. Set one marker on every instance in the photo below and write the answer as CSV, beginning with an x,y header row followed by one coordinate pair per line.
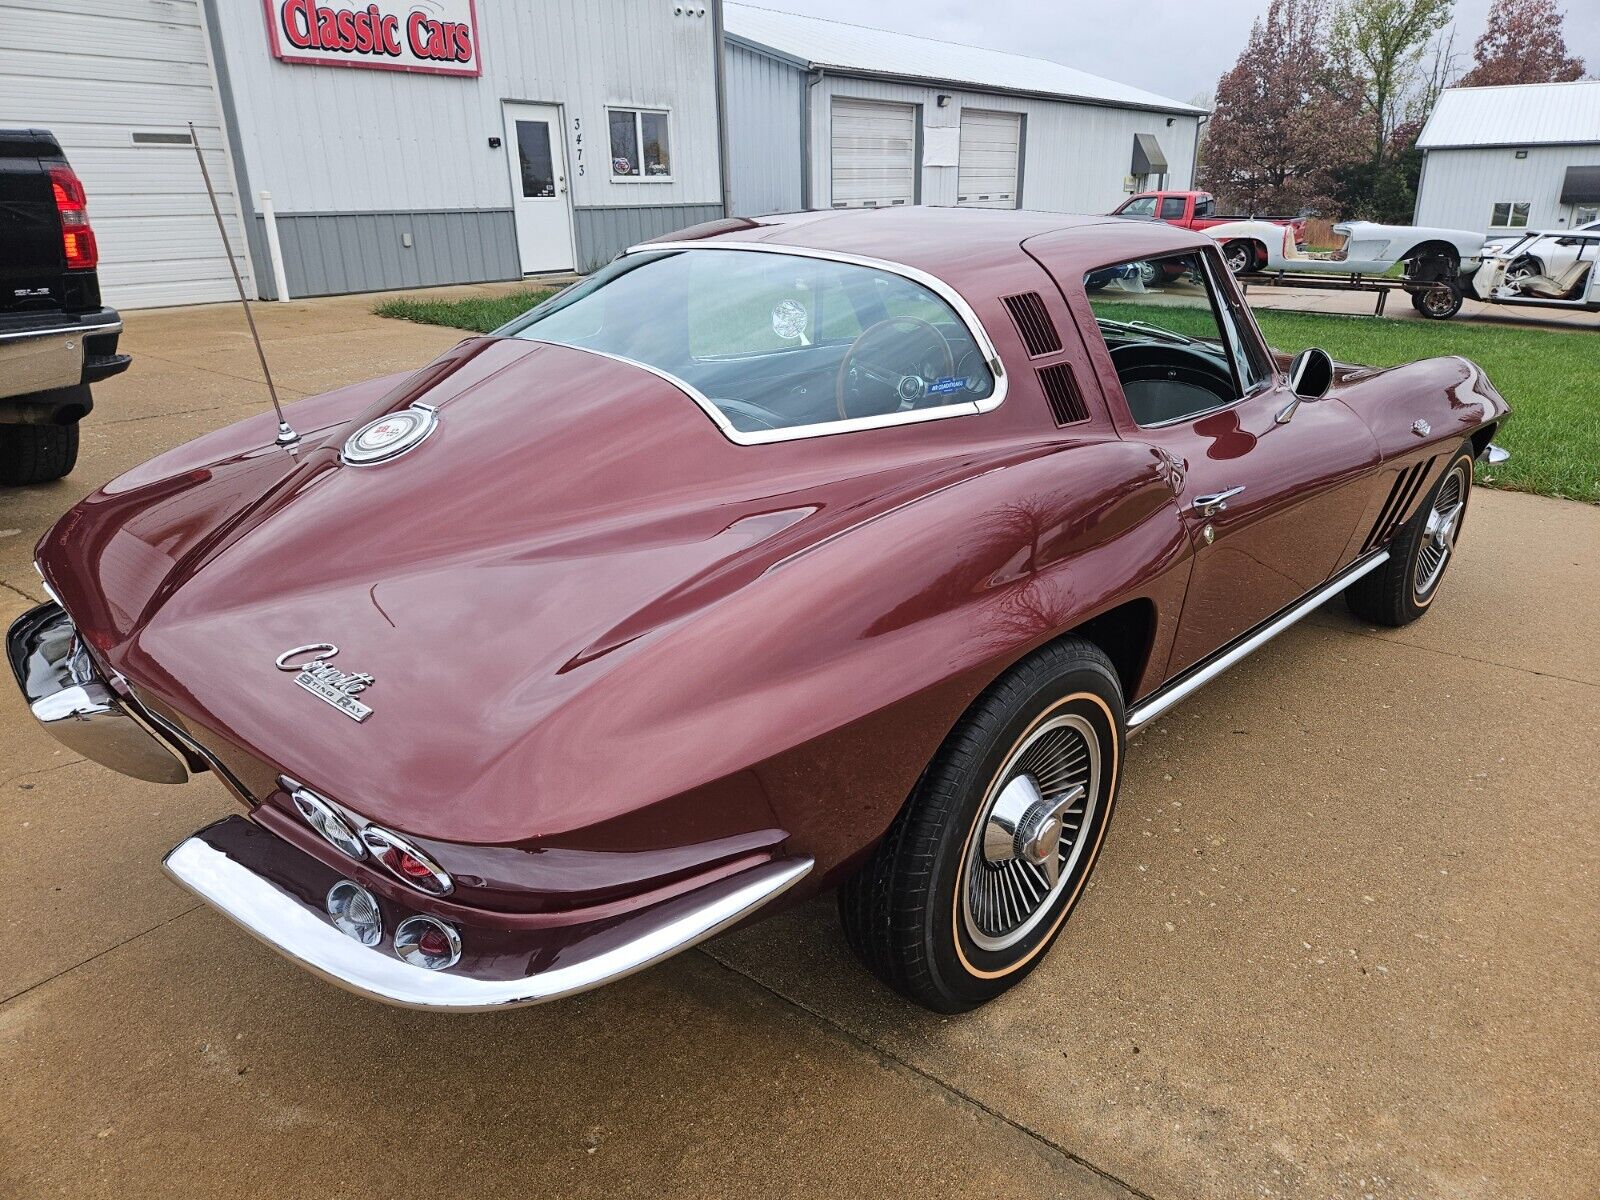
x,y
775,341
1174,361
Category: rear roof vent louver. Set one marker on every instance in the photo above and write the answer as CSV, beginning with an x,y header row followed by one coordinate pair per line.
x,y
1033,323
1061,389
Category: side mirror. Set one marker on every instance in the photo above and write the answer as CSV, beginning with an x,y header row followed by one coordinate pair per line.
x,y
1310,377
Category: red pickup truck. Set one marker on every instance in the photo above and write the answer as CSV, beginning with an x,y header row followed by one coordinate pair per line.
x,y
1197,210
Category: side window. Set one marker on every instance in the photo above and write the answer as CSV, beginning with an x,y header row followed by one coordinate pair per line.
x,y
1204,206
1174,337
1143,206
1172,208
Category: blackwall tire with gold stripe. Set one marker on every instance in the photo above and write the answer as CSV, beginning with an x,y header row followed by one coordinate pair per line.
x,y
980,870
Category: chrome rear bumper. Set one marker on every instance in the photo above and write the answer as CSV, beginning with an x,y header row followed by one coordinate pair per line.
x,y
209,865
75,704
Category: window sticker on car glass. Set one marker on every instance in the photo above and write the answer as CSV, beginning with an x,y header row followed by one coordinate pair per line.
x,y
789,319
945,386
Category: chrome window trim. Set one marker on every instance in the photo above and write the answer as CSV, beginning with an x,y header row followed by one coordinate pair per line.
x,y
763,437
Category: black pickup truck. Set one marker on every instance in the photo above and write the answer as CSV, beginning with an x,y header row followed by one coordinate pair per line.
x,y
56,338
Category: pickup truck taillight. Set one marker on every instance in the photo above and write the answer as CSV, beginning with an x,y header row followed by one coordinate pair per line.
x,y
77,239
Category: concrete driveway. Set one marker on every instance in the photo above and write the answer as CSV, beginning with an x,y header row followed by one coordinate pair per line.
x,y
1342,941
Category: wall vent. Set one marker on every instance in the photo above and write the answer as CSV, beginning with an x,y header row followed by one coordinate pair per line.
x,y
1406,486
1033,323
1061,389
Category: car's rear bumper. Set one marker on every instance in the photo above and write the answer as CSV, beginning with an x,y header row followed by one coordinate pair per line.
x,y
46,352
75,704
277,892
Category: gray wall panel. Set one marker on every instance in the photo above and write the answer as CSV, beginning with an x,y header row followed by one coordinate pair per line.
x,y
1461,187
602,232
764,132
327,254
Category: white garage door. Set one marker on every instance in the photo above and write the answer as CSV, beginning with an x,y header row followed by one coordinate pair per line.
x,y
874,153
117,81
991,149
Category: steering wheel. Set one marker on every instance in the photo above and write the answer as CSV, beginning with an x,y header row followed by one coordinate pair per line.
x,y
902,388
1142,361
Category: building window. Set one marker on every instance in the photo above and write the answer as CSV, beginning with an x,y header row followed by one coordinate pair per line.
x,y
639,147
1585,214
1510,215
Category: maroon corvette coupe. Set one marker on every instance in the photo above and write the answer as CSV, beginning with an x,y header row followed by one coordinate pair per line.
x,y
829,551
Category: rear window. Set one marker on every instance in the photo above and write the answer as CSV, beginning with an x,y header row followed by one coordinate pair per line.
x,y
778,344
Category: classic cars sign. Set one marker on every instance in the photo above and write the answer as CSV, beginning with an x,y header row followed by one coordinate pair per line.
x,y
438,37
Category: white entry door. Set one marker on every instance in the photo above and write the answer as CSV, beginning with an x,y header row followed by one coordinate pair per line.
x,y
539,187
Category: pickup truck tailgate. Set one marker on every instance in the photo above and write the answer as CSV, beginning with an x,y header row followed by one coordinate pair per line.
x,y
31,267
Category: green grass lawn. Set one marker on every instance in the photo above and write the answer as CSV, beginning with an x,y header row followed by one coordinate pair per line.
x,y
481,314
1550,379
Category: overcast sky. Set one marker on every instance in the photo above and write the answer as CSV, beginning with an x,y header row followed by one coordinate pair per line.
x,y
1176,48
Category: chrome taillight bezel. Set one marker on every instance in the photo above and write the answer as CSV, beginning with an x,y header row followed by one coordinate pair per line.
x,y
408,939
380,841
330,824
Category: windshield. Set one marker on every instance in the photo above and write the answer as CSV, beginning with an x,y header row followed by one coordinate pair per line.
x,y
775,341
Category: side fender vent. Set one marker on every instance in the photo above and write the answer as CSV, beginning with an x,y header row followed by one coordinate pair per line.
x,y
1061,389
1406,486
1033,323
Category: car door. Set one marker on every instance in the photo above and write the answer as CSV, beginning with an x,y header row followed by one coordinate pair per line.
x,y
1270,491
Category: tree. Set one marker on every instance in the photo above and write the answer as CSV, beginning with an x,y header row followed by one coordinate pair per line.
x,y
1381,44
1524,43
1280,129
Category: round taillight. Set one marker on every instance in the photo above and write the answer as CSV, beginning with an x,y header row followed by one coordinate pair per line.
x,y
354,912
406,862
427,942
320,815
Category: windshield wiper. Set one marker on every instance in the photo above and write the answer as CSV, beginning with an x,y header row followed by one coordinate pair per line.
x,y
1146,328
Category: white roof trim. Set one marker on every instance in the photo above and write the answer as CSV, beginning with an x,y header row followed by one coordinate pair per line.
x,y
835,46
1529,114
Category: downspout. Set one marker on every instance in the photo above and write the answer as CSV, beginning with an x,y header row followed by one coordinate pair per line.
x,y
719,50
805,139
1194,157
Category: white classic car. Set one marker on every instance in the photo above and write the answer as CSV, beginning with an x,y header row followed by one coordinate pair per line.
x,y
1548,254
1367,249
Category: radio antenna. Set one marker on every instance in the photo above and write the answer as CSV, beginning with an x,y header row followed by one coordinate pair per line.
x,y
286,434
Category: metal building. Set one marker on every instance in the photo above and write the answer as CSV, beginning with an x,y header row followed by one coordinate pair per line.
x,y
824,114
1507,158
402,142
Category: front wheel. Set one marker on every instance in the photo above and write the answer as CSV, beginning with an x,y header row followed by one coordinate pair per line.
x,y
1401,590
1439,302
982,867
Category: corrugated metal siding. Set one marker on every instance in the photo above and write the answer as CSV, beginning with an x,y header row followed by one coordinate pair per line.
x,y
1523,115
327,139
764,132
602,232
94,72
1075,156
1461,187
331,253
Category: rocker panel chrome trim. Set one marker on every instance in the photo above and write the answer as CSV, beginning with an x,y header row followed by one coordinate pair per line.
x,y
1203,673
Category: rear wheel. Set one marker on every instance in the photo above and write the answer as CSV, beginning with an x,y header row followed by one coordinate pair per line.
x,y
980,870
1240,257
1401,590
37,453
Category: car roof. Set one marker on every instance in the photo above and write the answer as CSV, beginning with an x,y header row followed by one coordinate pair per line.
x,y
959,245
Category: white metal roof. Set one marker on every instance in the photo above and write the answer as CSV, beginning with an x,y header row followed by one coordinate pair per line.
x,y
857,50
1527,114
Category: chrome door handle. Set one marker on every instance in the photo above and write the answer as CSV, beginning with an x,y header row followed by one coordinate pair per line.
x,y
1214,502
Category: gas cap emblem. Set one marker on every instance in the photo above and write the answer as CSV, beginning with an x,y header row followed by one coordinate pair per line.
x,y
390,436
1421,428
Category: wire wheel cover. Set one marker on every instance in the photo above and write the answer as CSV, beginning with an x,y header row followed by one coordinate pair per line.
x,y
1030,833
1439,534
